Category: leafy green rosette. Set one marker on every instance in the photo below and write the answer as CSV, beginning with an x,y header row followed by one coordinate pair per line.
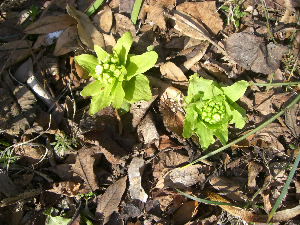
x,y
210,108
118,77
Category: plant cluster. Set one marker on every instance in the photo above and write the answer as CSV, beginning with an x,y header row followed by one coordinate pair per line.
x,y
63,142
210,108
118,77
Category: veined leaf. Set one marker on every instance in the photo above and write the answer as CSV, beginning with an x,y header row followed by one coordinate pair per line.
x,y
235,91
93,88
123,46
137,89
88,62
118,95
101,54
101,101
139,64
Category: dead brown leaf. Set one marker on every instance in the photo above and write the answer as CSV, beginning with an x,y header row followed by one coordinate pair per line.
x,y
87,32
67,41
171,72
109,201
147,130
135,172
186,212
50,24
84,166
251,53
182,177
104,19
205,12
124,24
67,188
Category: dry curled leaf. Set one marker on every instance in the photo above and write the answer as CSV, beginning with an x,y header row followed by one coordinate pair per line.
x,y
251,53
109,201
135,172
87,32
50,24
205,12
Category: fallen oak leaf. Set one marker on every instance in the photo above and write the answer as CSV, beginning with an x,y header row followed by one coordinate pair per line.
x,y
50,24
109,201
87,32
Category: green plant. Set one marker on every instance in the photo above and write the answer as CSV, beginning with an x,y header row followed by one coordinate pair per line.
x,y
63,142
33,12
5,153
235,15
210,108
118,77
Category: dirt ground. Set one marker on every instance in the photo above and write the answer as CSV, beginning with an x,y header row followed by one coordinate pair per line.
x,y
61,165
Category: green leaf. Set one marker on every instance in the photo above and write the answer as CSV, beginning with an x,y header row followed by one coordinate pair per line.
x,y
123,46
189,122
88,62
205,134
238,115
136,10
93,88
235,91
124,108
222,133
137,89
101,54
139,64
101,101
197,86
118,95
94,7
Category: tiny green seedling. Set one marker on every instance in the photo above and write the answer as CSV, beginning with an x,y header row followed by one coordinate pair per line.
x,y
63,142
236,15
118,77
33,12
210,108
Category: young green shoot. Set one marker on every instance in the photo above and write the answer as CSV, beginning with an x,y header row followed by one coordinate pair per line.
x,y
118,77
210,108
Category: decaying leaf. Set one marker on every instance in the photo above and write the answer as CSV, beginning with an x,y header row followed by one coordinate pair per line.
x,y
248,216
186,212
171,72
147,130
124,24
109,201
104,19
67,188
182,177
84,166
50,24
205,12
87,32
157,10
251,53
67,41
135,172
139,109
291,119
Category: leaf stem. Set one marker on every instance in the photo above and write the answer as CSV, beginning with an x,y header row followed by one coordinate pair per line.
x,y
249,133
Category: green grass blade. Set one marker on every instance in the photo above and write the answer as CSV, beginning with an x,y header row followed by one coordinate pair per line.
x,y
136,10
204,200
275,84
94,7
249,133
285,188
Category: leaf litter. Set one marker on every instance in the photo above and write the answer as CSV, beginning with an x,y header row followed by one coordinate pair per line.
x,y
124,169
